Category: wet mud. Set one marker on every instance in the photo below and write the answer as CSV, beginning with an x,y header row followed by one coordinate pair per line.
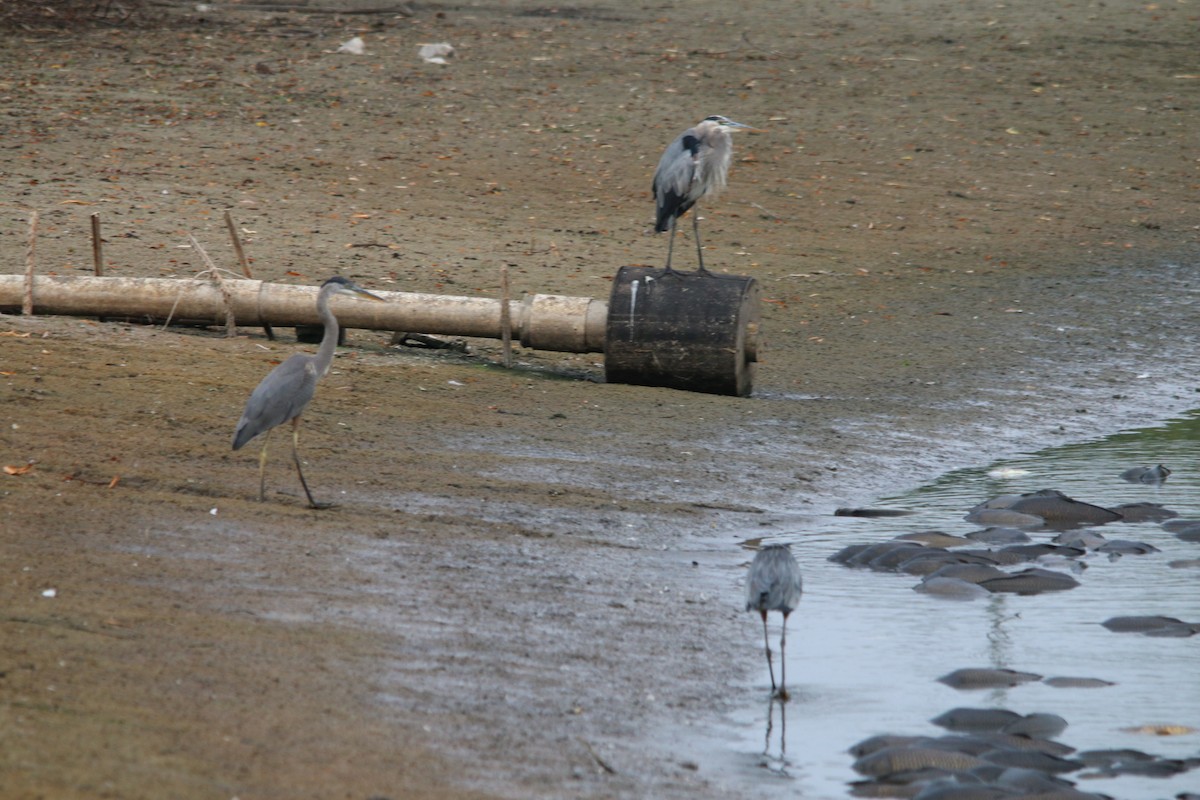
x,y
969,221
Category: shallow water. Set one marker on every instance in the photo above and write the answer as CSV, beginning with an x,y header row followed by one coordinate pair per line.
x,y
866,650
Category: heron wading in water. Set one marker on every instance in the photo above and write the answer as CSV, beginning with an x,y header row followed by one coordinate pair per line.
x,y
288,389
774,584
694,165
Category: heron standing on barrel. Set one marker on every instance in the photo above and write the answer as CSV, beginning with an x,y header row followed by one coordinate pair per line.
x,y
774,584
694,165
288,389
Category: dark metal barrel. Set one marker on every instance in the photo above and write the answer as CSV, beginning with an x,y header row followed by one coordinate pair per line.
x,y
313,334
684,330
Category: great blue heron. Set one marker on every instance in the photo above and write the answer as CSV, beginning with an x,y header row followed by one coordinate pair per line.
x,y
774,584
695,164
287,390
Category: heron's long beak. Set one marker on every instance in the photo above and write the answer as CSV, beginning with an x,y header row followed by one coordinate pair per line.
x,y
736,126
361,292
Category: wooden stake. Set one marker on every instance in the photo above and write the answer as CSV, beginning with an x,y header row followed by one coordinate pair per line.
x,y
505,318
30,259
97,249
241,254
97,246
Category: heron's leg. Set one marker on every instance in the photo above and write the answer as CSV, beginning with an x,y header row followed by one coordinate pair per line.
x,y
783,693
262,468
699,250
296,457
671,243
767,642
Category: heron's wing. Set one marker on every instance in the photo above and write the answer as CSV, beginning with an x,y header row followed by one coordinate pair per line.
x,y
774,582
282,395
758,587
674,180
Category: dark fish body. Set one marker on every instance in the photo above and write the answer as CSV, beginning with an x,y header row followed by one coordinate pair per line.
x,y
1058,509
864,557
934,559
1125,547
1084,539
959,791
1030,781
1144,512
1032,552
891,760
848,552
971,573
1031,581
1159,768
893,558
985,678
1179,631
998,557
1139,624
1051,506
952,588
1006,517
1032,759
1156,474
975,719
999,535
934,539
1108,758
1009,741
875,743
999,501
871,512
1039,725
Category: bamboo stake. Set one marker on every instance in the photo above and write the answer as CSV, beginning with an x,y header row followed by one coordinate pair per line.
x,y
241,254
505,317
30,259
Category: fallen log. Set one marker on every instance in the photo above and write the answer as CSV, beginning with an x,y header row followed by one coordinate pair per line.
x,y
539,321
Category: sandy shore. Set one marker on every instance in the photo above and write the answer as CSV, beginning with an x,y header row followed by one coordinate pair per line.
x,y
972,223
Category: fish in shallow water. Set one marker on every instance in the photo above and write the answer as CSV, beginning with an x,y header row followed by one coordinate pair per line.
x,y
986,678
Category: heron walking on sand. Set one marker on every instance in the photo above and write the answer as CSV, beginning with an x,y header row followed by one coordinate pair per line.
x,y
288,389
774,584
694,165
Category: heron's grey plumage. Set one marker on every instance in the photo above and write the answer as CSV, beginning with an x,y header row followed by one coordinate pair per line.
x,y
694,165
774,584
281,397
287,390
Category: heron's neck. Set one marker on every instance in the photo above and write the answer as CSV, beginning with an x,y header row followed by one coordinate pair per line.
x,y
329,340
